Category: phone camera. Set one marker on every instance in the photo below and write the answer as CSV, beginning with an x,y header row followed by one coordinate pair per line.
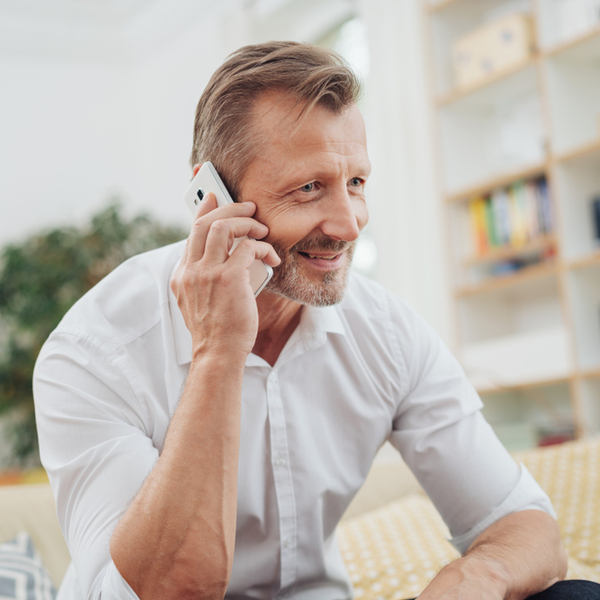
x,y
200,194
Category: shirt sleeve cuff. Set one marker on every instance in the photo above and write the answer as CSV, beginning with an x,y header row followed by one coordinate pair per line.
x,y
114,587
526,495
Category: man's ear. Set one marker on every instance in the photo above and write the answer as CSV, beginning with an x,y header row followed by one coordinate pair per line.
x,y
196,169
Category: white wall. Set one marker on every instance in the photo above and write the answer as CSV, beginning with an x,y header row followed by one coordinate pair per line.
x,y
406,216
65,141
79,127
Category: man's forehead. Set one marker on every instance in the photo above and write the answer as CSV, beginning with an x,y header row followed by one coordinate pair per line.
x,y
286,116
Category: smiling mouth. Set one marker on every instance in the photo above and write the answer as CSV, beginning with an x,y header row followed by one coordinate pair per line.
x,y
320,256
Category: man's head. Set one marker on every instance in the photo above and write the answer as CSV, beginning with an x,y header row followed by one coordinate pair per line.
x,y
280,124
224,131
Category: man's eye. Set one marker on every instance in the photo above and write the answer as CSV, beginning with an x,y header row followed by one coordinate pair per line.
x,y
356,182
309,187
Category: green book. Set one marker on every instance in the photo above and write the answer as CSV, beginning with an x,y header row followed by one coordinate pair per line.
x,y
490,224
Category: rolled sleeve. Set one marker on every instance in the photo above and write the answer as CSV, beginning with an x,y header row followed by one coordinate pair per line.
x,y
452,450
526,495
97,454
114,587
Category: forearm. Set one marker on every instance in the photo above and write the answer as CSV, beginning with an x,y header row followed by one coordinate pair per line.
x,y
519,555
177,537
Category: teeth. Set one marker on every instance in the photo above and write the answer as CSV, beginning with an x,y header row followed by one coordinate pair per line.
x,y
331,257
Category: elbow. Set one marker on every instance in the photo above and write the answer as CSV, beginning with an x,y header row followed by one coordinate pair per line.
x,y
184,576
206,581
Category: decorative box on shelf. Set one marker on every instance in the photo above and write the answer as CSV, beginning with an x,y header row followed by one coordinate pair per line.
x,y
491,49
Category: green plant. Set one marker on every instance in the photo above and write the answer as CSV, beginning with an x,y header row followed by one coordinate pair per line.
x,y
40,279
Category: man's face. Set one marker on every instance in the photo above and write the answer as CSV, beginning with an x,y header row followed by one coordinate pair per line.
x,y
308,184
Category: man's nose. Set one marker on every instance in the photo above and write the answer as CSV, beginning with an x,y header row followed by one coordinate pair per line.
x,y
343,219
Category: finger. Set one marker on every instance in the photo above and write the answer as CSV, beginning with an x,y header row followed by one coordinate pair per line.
x,y
208,203
202,224
249,250
223,232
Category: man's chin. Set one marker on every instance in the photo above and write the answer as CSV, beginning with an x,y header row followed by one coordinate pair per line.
x,y
327,292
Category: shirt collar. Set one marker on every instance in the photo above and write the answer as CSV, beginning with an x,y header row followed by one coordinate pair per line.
x,y
315,324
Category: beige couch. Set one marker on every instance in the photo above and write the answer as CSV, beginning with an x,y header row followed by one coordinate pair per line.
x,y
31,507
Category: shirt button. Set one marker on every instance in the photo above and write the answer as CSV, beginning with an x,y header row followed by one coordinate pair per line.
x,y
287,542
280,460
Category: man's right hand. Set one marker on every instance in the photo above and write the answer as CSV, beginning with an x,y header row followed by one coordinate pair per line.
x,y
212,287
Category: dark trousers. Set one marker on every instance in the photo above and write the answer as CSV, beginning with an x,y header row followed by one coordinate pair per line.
x,y
574,589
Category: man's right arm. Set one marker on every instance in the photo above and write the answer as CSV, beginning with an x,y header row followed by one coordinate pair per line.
x,y
168,544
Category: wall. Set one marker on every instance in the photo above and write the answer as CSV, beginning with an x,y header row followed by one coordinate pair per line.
x,y
405,212
80,125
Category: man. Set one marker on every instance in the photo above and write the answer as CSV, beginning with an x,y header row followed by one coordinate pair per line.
x,y
202,443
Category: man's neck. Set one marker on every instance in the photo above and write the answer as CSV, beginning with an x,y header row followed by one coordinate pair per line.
x,y
278,317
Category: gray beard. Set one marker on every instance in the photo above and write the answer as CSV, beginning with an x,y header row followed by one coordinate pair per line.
x,y
289,282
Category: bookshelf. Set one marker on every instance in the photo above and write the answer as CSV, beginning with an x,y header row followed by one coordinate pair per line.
x,y
526,294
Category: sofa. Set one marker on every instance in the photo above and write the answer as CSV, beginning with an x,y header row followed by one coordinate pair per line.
x,y
392,539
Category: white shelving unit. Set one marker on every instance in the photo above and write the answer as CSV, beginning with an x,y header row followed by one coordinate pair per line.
x,y
529,338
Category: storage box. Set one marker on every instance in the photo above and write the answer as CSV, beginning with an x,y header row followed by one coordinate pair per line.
x,y
491,49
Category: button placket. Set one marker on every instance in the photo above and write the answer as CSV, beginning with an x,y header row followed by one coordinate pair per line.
x,y
282,476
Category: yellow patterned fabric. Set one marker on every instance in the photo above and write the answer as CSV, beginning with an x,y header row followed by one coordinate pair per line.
x,y
393,552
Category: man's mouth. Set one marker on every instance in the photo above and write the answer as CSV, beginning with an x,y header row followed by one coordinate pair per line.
x,y
320,256
325,261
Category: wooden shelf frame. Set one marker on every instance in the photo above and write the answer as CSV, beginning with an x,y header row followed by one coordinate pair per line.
x,y
566,45
508,252
482,188
524,275
459,93
531,171
590,260
441,5
588,374
578,152
530,385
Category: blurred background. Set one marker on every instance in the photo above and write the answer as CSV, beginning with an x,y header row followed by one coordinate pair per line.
x,y
483,124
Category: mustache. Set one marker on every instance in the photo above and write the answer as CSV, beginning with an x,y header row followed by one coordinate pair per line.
x,y
322,243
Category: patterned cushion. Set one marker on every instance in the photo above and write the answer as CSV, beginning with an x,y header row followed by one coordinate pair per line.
x,y
570,475
22,574
392,553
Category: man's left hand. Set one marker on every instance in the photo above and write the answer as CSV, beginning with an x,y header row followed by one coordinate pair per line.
x,y
514,558
467,578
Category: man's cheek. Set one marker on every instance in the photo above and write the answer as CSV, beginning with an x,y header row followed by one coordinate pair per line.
x,y
362,217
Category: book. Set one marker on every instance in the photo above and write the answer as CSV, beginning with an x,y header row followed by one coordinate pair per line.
x,y
545,206
478,225
533,221
499,201
490,224
518,224
511,216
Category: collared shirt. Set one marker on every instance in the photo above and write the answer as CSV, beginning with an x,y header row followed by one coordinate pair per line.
x,y
350,377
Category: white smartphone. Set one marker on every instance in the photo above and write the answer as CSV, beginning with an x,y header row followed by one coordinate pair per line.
x,y
207,180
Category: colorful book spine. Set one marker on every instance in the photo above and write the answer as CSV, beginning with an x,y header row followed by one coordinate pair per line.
x,y
517,215
500,201
511,216
479,225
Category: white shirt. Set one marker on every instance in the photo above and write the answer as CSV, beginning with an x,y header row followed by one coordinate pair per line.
x,y
350,377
